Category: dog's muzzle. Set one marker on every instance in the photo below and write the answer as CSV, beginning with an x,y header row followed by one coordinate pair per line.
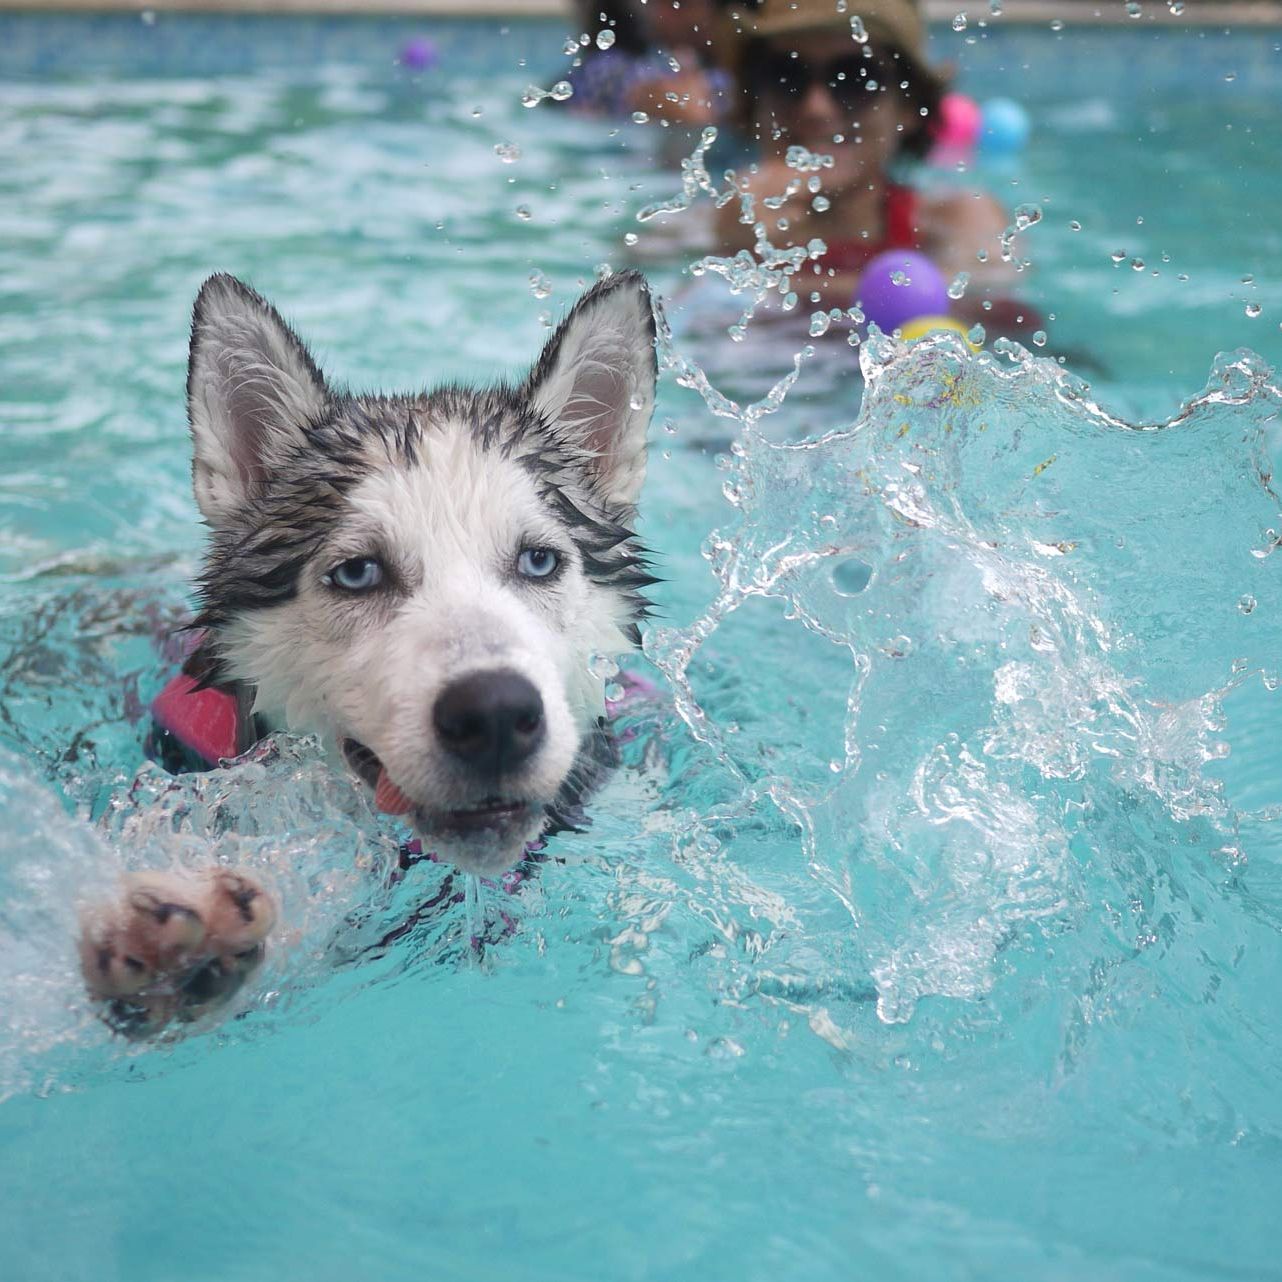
x,y
488,724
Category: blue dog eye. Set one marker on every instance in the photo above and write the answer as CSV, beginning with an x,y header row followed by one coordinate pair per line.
x,y
537,563
360,574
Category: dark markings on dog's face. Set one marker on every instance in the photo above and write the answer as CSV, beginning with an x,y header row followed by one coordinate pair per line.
x,y
260,548
296,478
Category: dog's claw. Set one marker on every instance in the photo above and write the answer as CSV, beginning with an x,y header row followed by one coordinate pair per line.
x,y
173,947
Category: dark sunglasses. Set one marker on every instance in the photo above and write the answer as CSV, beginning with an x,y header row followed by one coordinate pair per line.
x,y
781,75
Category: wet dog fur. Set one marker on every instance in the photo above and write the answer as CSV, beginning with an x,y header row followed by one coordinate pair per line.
x,y
422,580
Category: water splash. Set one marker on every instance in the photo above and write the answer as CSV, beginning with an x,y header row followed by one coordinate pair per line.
x,y
1026,663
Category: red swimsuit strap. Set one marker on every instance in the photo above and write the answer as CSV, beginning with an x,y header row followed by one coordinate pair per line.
x,y
899,231
900,215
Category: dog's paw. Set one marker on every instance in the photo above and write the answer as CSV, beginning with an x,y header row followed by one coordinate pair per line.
x,y
173,947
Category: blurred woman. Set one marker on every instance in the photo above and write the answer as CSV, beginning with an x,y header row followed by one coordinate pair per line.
x,y
803,80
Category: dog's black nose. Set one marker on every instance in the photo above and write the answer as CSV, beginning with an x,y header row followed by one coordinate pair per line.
x,y
491,720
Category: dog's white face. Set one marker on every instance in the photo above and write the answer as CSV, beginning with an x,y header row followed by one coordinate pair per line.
x,y
427,580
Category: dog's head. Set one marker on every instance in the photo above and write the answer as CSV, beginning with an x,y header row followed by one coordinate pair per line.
x,y
427,580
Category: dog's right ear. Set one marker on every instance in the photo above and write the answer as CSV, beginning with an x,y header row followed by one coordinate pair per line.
x,y
595,382
251,390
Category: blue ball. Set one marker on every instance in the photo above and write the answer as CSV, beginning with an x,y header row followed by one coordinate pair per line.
x,y
1005,127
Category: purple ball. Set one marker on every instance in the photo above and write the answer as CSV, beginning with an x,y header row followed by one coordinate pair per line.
x,y
418,54
921,289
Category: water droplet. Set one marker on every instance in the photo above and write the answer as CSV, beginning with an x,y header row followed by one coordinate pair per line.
x,y
613,692
820,204
1245,603
858,32
959,21
148,17
507,152
1117,255
1230,76
562,90
532,96
1057,24
819,324
1134,9
1027,216
1039,338
995,8
604,39
958,288
640,118
603,667
1074,225
477,113
851,576
540,286
1137,264
976,334
1176,7
1253,309
629,238
571,46
900,278
524,213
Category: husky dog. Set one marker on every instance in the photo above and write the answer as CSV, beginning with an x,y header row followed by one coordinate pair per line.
x,y
423,580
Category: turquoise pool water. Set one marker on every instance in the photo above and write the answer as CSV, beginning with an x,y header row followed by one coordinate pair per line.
x,y
933,931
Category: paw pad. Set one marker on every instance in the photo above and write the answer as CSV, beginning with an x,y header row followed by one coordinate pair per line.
x,y
173,947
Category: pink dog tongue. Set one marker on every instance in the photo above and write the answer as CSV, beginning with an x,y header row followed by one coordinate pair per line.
x,y
389,798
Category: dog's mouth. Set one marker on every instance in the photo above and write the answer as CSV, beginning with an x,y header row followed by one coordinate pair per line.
x,y
492,814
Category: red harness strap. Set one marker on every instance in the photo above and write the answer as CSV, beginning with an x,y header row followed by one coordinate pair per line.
x,y
205,721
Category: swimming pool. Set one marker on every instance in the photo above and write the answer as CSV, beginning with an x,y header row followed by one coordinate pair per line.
x,y
945,941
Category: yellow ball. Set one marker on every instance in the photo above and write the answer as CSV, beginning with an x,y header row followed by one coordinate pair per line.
x,y
920,326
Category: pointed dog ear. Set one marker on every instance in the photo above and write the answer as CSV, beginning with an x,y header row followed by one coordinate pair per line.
x,y
251,390
595,382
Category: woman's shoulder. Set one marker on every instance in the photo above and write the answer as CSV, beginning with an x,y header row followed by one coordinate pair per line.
x,y
955,208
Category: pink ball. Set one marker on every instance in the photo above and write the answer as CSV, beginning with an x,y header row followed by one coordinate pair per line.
x,y
958,123
901,285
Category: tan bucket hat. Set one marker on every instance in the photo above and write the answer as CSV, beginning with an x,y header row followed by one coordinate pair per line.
x,y
897,21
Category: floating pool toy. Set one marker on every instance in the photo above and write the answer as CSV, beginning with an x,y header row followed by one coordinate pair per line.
x,y
1005,127
958,123
418,54
923,325
899,286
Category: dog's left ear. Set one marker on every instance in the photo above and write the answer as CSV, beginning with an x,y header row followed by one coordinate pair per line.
x,y
595,381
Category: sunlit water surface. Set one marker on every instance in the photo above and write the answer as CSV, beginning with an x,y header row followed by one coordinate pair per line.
x,y
932,929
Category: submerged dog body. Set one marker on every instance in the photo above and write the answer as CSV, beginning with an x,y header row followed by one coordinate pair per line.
x,y
424,580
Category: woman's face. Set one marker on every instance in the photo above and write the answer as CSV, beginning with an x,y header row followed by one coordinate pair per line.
x,y
679,24
814,89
